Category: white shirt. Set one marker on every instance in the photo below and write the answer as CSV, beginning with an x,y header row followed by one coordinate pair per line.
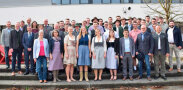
x,y
117,31
170,35
159,41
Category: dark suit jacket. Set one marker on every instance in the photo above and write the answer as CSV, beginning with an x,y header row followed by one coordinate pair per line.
x,y
120,31
177,36
16,39
51,45
28,42
145,46
163,41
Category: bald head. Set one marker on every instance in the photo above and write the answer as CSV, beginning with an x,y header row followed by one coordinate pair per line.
x,y
17,26
45,21
143,28
28,20
158,29
56,26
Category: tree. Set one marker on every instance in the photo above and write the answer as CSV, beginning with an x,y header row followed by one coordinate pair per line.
x,y
166,10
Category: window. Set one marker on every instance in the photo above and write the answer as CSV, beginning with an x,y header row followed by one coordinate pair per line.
x,y
154,1
146,1
84,1
97,1
175,1
74,1
55,1
137,1
115,1
65,1
106,1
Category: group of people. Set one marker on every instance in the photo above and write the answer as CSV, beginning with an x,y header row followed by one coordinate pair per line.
x,y
98,45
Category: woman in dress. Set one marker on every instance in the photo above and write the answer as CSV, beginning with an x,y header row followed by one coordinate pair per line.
x,y
56,54
98,49
70,54
41,55
112,54
83,52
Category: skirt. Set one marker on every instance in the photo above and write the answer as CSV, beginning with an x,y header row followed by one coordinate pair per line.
x,y
111,61
84,58
99,62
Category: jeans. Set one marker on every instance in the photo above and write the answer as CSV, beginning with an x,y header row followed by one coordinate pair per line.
x,y
42,73
6,50
29,56
16,53
148,68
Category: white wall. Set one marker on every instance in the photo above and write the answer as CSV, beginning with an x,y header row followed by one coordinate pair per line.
x,y
56,13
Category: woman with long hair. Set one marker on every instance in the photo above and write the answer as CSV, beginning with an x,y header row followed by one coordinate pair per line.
x,y
112,54
83,52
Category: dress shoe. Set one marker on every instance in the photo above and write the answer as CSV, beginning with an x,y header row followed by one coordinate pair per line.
x,y
131,78
26,73
164,78
156,77
124,78
149,78
7,67
139,77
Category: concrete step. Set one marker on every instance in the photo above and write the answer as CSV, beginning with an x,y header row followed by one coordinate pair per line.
x,y
3,68
104,84
7,76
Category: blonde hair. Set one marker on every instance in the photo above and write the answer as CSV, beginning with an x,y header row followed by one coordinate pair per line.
x,y
98,31
80,33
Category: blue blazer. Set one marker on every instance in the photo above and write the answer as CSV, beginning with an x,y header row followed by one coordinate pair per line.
x,y
177,36
145,46
27,42
36,48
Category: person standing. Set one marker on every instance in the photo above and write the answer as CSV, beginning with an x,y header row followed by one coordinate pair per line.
x,y
175,44
98,49
47,29
41,55
56,54
112,54
161,50
34,26
118,29
70,54
144,47
16,44
83,52
5,42
127,52
133,34
28,41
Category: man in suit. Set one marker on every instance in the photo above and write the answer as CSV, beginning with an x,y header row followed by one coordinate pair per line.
x,y
161,50
5,41
27,41
127,52
16,44
23,27
47,29
118,28
175,44
27,25
145,45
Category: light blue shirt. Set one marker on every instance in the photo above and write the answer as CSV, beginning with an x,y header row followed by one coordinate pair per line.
x,y
127,44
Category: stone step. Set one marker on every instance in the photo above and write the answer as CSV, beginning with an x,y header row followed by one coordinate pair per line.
x,y
104,84
62,76
3,68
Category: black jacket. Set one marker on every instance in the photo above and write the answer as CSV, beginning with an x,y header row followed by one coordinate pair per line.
x,y
177,36
16,39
